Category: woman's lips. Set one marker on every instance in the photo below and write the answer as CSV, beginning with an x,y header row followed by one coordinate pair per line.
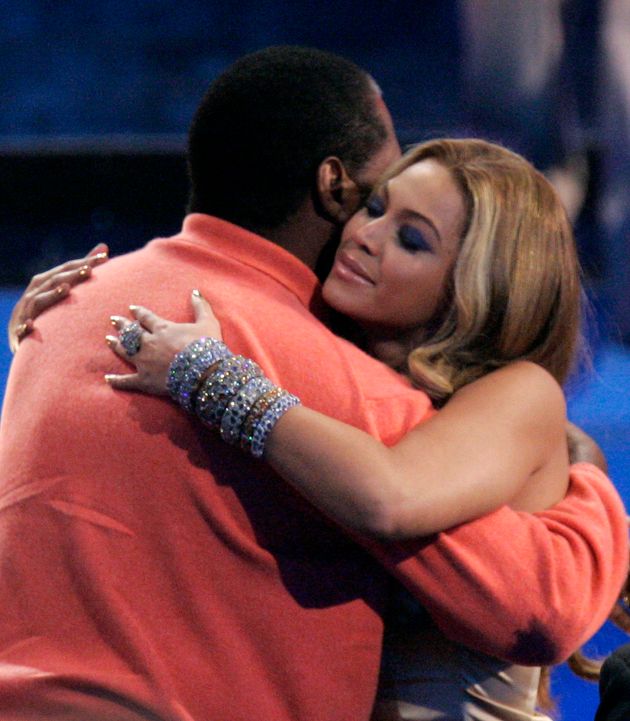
x,y
349,268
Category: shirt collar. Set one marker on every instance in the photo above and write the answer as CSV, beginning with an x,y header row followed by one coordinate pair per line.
x,y
257,252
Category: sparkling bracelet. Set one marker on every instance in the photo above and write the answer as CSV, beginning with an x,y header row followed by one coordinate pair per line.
x,y
189,366
220,387
256,413
228,392
265,425
239,407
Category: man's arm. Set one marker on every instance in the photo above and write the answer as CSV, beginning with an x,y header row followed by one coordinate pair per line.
x,y
528,588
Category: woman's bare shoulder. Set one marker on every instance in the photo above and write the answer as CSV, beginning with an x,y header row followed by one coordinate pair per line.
x,y
521,377
523,393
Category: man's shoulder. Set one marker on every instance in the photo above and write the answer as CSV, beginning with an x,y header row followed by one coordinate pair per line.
x,y
266,314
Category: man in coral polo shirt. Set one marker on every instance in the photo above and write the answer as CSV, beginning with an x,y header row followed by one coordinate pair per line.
x,y
148,571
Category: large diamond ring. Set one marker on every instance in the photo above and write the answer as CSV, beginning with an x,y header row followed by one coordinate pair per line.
x,y
131,337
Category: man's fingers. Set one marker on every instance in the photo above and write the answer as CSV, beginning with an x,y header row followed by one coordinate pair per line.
x,y
129,382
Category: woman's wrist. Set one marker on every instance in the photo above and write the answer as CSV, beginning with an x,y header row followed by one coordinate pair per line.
x,y
228,393
190,366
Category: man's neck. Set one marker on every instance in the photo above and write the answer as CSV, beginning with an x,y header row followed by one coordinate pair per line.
x,y
305,235
390,345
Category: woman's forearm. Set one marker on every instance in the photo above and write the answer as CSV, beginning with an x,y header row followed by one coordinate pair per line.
x,y
343,471
365,486
471,458
478,453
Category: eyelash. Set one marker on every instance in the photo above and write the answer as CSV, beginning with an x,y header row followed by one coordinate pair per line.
x,y
410,238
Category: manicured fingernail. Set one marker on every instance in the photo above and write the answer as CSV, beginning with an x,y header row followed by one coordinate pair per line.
x,y
100,256
110,340
108,377
84,271
61,289
134,307
115,320
196,293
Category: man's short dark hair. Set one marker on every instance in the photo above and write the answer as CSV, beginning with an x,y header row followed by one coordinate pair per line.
x,y
265,125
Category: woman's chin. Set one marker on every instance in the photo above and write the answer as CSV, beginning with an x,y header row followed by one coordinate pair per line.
x,y
337,298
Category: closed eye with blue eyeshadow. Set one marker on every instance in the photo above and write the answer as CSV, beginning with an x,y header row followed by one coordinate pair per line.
x,y
412,239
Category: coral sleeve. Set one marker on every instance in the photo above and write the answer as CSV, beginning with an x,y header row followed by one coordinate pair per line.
x,y
527,588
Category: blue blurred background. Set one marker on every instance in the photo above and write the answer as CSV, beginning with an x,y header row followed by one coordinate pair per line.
x,y
96,97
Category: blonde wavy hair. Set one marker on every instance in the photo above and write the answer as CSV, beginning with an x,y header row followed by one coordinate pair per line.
x,y
515,290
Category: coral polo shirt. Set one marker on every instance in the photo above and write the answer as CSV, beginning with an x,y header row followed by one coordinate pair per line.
x,y
147,571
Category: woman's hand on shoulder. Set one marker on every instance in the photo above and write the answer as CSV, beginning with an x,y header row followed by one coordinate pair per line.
x,y
48,288
149,343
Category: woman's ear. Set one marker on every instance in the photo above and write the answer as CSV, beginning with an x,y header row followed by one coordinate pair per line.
x,y
338,194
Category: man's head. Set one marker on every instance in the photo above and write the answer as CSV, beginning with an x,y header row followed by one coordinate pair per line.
x,y
262,132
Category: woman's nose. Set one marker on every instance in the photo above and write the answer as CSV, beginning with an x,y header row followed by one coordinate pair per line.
x,y
370,236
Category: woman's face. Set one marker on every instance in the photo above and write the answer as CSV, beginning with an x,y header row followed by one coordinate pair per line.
x,y
396,253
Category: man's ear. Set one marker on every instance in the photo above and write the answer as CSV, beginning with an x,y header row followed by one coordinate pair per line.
x,y
338,194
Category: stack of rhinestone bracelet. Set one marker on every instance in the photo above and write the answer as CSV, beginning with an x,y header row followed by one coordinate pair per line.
x,y
228,393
